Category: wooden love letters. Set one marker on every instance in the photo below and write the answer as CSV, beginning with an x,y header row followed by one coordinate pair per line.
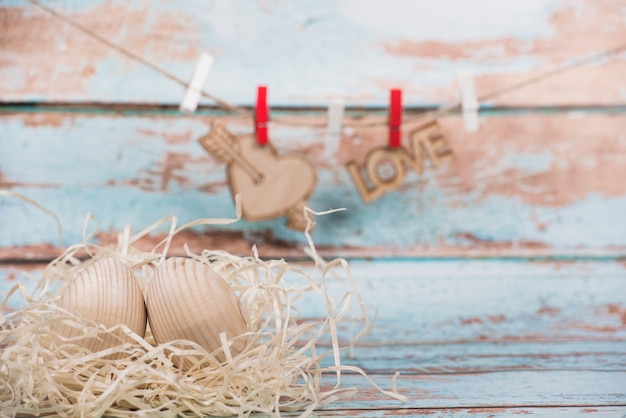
x,y
270,185
371,182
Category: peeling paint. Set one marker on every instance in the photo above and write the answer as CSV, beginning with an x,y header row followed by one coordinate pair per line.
x,y
355,50
75,75
51,120
506,191
465,50
498,335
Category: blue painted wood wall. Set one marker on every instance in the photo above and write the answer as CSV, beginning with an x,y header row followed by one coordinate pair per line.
x,y
84,129
539,190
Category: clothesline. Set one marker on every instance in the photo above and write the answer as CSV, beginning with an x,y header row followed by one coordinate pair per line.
x,y
432,114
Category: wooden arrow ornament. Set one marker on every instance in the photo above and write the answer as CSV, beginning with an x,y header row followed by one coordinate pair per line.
x,y
270,185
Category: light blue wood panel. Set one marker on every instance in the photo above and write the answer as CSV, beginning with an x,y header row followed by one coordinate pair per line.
x,y
434,302
431,303
547,184
506,389
480,412
480,337
473,357
309,51
471,340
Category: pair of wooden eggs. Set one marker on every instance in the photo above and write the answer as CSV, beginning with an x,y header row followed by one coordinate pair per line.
x,y
186,300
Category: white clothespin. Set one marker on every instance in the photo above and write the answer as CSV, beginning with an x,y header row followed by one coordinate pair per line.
x,y
469,101
200,75
334,125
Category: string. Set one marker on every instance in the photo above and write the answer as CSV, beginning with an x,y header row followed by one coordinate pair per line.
x,y
579,62
222,103
432,114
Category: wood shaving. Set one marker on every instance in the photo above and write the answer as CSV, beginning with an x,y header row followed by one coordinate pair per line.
x,y
283,368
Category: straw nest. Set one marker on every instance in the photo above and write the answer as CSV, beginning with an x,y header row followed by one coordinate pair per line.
x,y
289,362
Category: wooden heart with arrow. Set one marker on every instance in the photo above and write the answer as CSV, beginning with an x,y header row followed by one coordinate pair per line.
x,y
270,185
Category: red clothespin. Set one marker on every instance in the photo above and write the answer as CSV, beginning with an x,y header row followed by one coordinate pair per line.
x,y
262,115
395,117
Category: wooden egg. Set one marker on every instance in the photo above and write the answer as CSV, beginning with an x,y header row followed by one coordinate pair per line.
x,y
188,300
107,293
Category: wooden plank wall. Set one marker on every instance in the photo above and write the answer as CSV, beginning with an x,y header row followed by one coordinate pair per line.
x,y
85,129
539,190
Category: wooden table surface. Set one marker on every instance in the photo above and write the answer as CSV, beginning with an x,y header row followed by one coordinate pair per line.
x,y
492,338
484,338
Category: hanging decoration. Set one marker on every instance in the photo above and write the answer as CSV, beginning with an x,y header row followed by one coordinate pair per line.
x,y
384,168
271,186
274,186
372,180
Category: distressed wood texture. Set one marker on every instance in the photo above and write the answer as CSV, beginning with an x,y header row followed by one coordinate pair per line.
x,y
84,129
531,184
308,52
480,337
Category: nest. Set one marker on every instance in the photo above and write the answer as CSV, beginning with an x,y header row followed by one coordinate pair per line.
x,y
291,362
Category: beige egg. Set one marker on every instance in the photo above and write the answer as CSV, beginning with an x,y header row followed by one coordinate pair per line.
x,y
107,293
188,300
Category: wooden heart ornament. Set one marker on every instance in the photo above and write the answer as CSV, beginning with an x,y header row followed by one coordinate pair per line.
x,y
270,185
